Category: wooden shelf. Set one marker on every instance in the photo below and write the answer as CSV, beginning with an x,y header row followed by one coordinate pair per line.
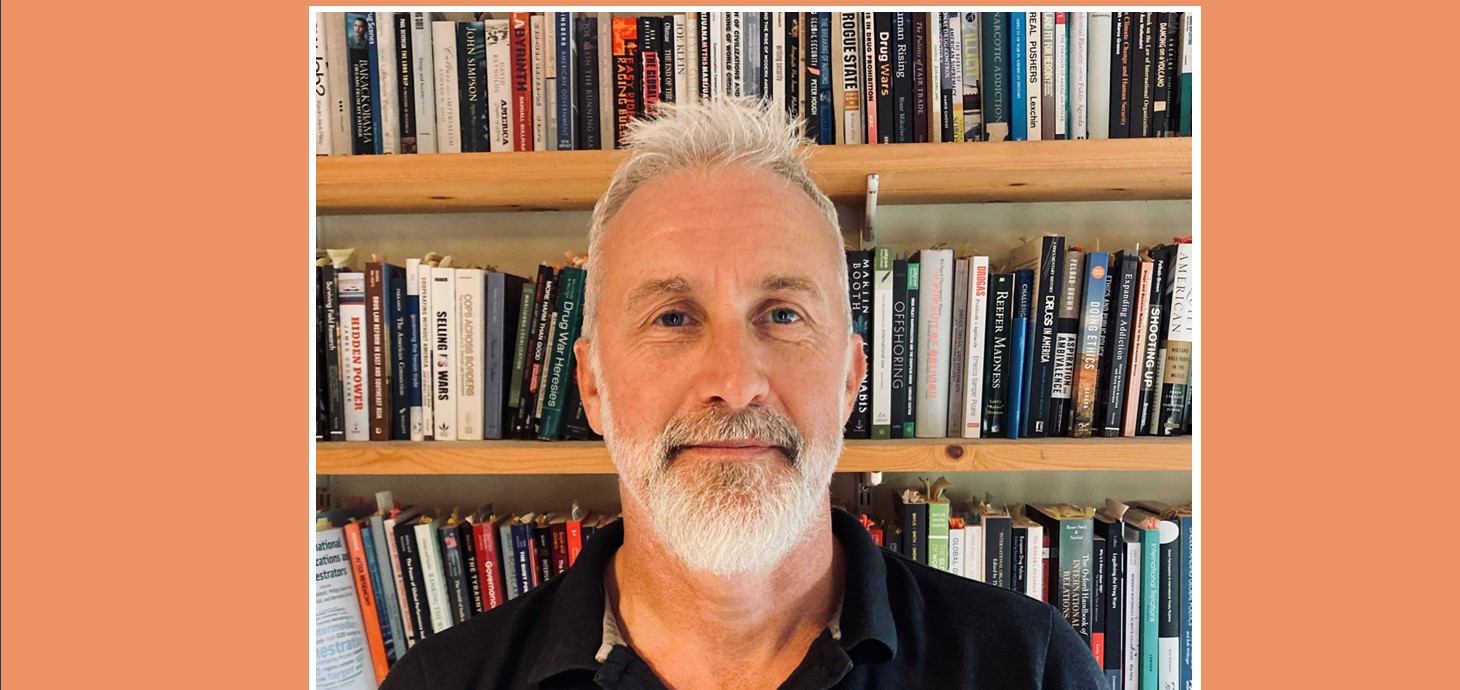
x,y
1092,170
913,455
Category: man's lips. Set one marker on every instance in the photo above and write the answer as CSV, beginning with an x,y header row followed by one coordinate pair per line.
x,y
732,449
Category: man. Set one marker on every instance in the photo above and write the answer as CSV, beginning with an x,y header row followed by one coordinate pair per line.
x,y
718,362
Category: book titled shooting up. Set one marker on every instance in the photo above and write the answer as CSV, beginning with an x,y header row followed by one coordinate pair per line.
x,y
1150,384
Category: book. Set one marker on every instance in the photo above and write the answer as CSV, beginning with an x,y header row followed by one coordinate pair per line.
x,y
995,82
973,561
824,62
569,321
1087,359
607,82
1034,74
1125,274
475,84
846,94
511,582
1098,98
364,100
503,311
1071,534
651,48
412,351
333,392
1135,372
997,351
626,77
880,372
371,615
1175,364
484,530
912,514
402,578
1120,73
467,545
398,349
501,116
520,47
1033,558
918,57
957,551
795,61
998,545
339,94
320,86
1142,58
545,300
1079,75
1144,529
886,106
377,315
966,76
1067,332
342,652
379,550
871,132
1048,101
433,574
443,356
1150,384
1169,613
1018,76
523,555
938,524
562,71
976,347
1018,558
957,353
423,80
404,112
425,346
902,78
445,84
447,542
1161,45
1109,528
859,285
385,70
1046,310
1022,305
353,356
934,328
1185,95
421,624
587,81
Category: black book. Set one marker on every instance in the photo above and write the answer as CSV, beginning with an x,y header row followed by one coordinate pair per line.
x,y
321,370
767,47
1174,49
910,382
1140,86
902,80
813,78
453,571
823,80
1019,558
914,520
468,545
669,87
575,425
1176,345
1120,74
504,305
1160,76
542,548
1099,581
997,344
334,390
1066,339
399,351
902,360
882,76
1046,310
586,80
651,71
998,548
377,367
994,82
1150,384
793,62
859,281
471,78
414,577
1110,591
542,308
1125,281
950,86
405,83
919,57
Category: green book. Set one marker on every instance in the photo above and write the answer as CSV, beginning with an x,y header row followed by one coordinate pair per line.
x,y
938,515
1071,532
1143,528
560,364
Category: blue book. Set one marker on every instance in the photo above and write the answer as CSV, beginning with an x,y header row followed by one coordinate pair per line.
x,y
379,545
1019,345
1087,353
567,58
397,336
1187,536
372,48
508,556
1018,63
823,82
1031,351
522,553
373,564
1143,528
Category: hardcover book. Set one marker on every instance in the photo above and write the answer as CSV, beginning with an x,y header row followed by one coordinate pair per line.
x,y
1150,383
450,133
520,46
859,281
1046,310
997,351
569,321
1071,535
443,356
453,569
469,377
501,107
998,545
1087,372
934,328
1018,344
886,106
918,57
1125,271
1176,367
996,80
626,77
1136,371
354,358
1067,333
503,307
902,354
912,514
423,81
1099,65
474,84
371,615
882,317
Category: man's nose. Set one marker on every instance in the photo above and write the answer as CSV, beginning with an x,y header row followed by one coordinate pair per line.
x,y
733,371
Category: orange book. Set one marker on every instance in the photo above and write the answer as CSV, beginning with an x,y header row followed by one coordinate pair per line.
x,y
366,593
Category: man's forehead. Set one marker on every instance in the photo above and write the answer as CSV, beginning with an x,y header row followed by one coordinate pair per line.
x,y
683,285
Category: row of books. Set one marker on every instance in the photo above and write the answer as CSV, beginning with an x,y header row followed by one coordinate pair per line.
x,y
1067,343
427,82
387,577
1121,575
429,351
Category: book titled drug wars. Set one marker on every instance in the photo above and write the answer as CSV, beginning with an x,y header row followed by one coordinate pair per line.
x,y
859,281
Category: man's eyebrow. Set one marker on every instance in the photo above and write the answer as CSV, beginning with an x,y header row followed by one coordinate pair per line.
x,y
790,284
673,285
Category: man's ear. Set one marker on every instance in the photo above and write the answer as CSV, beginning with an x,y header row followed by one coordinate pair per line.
x,y
856,371
588,390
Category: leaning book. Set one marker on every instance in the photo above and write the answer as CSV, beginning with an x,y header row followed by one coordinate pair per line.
x,y
342,660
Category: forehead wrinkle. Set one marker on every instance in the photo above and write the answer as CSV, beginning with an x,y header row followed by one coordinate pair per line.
x,y
673,285
791,284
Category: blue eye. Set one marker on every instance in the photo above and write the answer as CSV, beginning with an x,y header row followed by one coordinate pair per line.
x,y
672,319
784,316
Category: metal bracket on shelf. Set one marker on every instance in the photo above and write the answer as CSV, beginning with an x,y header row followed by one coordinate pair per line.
x,y
869,220
865,482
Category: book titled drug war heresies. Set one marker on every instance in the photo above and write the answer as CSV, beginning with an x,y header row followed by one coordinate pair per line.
x,y
388,576
1120,574
429,82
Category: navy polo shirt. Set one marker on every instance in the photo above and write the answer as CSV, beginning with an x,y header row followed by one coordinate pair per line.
x,y
902,625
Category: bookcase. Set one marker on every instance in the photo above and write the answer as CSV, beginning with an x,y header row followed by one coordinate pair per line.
x,y
514,210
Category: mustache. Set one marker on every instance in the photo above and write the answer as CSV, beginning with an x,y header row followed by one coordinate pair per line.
x,y
718,423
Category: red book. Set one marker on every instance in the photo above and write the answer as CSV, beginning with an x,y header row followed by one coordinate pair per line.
x,y
521,81
625,75
575,539
489,568
559,532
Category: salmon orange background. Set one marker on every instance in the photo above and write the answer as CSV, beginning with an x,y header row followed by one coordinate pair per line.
x,y
155,359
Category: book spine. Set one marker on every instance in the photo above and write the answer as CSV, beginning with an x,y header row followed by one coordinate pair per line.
x,y
426,346
339,93
565,64
885,102
812,71
444,70
472,87
559,533
412,351
765,47
588,82
938,556
716,54
423,80
320,86
824,78
415,584
1067,333
907,406
1150,386
575,539
669,77
1048,80
850,92
997,352
872,131
544,83
1186,96
957,551
781,74
735,65
569,321
882,315
1037,568
398,350
1041,386
1062,120
1079,75
1188,579
504,297
918,64
1168,624
1131,621
388,82
1019,559
362,93
1098,576
935,298
1150,609
625,75
468,546
408,636
1115,364
433,574
406,107
339,623
1112,599
365,595
1087,373
902,78
914,520
1176,371
974,548
967,100
453,573
1161,43
859,282
541,314
377,82
522,557
1135,374
940,77
1076,553
469,378
686,58
1034,75
1018,77
976,348
375,349
1097,99
520,56
502,80
1023,302
378,551
542,554
998,550
354,361
1143,72
957,352
333,353
505,545
489,570
995,41
651,83
321,356
443,356
1121,73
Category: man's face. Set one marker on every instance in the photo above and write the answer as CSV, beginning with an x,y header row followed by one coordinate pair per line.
x,y
360,30
725,368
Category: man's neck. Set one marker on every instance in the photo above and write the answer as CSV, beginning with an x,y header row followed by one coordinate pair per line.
x,y
691,626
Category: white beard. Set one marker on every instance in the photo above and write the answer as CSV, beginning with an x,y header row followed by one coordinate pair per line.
x,y
726,518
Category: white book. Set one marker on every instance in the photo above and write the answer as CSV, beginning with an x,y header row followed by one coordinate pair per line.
x,y
498,42
1034,85
400,578
548,37
680,56
1079,75
388,593
851,78
1132,630
437,601
750,53
389,82
471,318
539,82
958,355
974,85
1034,560
321,89
973,552
353,356
935,334
934,36
717,55
336,61
1097,98
423,74
425,348
606,121
956,557
448,117
339,625
735,54
443,354
882,342
690,92
953,48
1168,648
413,289
976,340
1061,78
